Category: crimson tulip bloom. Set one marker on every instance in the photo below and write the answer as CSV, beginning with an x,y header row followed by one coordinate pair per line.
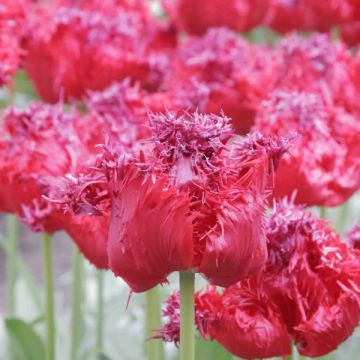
x,y
211,74
323,167
12,15
306,15
350,26
317,64
285,16
196,17
105,6
308,293
52,149
10,54
118,111
186,202
72,49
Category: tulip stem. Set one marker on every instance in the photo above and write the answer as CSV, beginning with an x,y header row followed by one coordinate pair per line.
x,y
77,298
154,348
49,295
323,212
187,316
11,262
341,217
100,313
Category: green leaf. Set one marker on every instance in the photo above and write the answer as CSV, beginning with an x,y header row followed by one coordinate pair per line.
x,y
103,357
25,343
210,350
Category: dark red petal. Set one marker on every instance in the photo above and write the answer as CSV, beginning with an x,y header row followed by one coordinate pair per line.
x,y
238,248
92,40
196,16
90,234
328,327
253,336
150,232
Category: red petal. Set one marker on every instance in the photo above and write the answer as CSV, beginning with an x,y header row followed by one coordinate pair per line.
x,y
150,232
238,249
328,327
90,233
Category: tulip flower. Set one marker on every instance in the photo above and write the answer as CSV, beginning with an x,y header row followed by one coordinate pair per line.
x,y
323,165
70,46
185,201
211,74
308,293
305,15
12,15
196,17
117,111
285,16
318,65
106,6
185,175
52,149
350,26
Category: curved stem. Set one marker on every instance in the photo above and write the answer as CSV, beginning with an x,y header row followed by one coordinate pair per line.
x,y
77,298
49,295
100,313
187,316
12,226
154,348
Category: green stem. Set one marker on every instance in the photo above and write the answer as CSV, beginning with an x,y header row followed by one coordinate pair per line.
x,y
24,272
49,295
323,212
11,271
77,298
341,217
187,316
154,348
100,313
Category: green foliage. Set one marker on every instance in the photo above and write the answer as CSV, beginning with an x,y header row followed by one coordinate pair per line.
x,y
211,350
262,35
103,357
25,343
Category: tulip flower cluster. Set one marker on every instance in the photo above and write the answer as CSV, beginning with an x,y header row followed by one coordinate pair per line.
x,y
159,145
260,316
283,16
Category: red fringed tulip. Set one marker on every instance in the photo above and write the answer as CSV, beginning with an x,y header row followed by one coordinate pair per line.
x,y
350,25
288,15
41,131
323,166
105,6
37,146
309,292
211,74
12,14
197,16
74,49
306,15
186,202
317,64
10,54
117,112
